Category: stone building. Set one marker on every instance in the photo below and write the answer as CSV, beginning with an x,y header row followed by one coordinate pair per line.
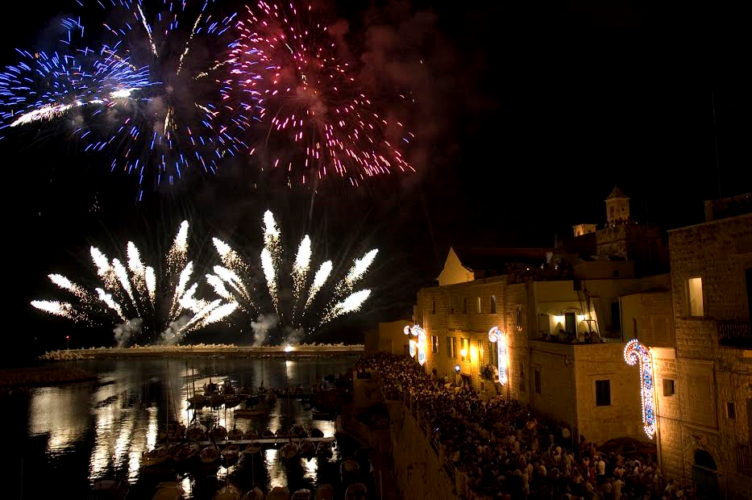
x,y
703,375
562,312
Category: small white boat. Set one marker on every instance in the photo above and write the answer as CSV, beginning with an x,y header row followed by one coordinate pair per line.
x,y
325,492
168,491
278,493
228,492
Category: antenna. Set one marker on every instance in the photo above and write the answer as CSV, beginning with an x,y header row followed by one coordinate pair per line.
x,y
715,135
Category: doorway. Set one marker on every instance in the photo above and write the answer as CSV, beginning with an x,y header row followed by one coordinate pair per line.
x,y
705,475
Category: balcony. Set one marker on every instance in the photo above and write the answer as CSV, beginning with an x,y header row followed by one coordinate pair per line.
x,y
734,334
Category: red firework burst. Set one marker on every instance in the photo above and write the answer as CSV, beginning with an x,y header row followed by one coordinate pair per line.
x,y
303,92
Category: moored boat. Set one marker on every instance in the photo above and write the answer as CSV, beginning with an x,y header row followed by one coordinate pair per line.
x,y
168,491
349,469
289,451
302,494
320,415
231,452
357,491
235,434
228,492
325,492
278,493
209,455
298,432
219,433
250,435
267,434
282,433
109,489
186,452
316,433
255,494
252,448
253,413
196,432
307,448
155,457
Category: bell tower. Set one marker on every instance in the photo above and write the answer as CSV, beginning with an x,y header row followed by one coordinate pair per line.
x,y
617,206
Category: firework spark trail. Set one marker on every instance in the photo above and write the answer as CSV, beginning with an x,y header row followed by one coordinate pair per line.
x,y
300,270
152,294
67,285
229,284
230,257
270,273
178,254
357,271
107,299
62,309
315,117
351,304
318,281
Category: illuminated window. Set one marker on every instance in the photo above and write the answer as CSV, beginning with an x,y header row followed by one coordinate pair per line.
x,y
434,344
493,304
537,380
731,411
452,347
465,349
694,285
479,346
668,387
479,304
602,393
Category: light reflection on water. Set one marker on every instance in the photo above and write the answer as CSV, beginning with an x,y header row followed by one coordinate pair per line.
x,y
109,427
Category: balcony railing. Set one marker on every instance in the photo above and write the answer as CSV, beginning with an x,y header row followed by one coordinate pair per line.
x,y
734,333
744,459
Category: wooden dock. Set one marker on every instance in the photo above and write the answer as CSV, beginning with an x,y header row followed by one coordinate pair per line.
x,y
245,442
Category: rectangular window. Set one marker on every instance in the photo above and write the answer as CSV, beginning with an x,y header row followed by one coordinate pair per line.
x,y
731,411
493,304
522,377
492,354
479,304
481,353
602,393
537,380
434,344
452,347
464,305
433,306
696,306
668,387
465,349
518,322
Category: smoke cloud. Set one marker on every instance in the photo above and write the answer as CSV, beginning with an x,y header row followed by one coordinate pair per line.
x,y
293,336
125,331
171,336
262,326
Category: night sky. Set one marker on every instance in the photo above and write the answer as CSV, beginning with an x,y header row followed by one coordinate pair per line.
x,y
526,119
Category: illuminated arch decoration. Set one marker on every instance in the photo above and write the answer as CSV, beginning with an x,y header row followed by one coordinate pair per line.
x,y
417,347
635,353
499,338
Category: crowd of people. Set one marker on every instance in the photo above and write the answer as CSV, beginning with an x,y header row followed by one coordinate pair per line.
x,y
505,451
